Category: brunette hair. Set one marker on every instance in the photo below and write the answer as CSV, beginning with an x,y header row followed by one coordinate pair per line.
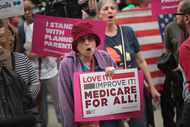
x,y
11,30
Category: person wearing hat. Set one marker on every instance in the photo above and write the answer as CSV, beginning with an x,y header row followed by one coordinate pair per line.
x,y
85,57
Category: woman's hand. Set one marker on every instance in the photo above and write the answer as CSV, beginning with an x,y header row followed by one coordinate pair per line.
x,y
109,71
31,55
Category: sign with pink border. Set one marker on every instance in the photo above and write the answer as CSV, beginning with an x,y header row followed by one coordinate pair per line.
x,y
99,97
52,35
10,8
164,6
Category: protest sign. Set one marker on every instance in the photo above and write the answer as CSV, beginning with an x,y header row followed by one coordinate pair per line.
x,y
99,97
164,7
52,35
9,8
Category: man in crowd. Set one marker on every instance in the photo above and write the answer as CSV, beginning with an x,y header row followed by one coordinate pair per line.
x,y
171,96
183,20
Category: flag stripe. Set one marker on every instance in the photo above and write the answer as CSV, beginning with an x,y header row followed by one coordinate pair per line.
x,y
152,60
136,12
158,80
136,20
142,33
150,39
141,26
152,46
153,67
156,74
159,87
152,53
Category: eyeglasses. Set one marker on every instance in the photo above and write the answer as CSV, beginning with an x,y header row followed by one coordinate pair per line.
x,y
179,14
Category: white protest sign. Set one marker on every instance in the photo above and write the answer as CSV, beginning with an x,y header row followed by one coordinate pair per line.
x,y
102,95
9,8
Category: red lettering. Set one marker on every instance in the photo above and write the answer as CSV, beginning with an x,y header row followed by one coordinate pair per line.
x,y
89,79
94,78
84,80
133,89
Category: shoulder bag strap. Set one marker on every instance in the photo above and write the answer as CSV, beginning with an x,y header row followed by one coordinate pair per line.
x,y
123,47
40,66
13,61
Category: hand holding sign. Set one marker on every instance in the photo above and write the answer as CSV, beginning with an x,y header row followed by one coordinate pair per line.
x,y
109,71
100,97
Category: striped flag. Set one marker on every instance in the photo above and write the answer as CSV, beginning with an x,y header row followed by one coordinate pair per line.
x,y
147,31
163,21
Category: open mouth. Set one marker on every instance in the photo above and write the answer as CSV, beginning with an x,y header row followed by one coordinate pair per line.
x,y
110,17
88,49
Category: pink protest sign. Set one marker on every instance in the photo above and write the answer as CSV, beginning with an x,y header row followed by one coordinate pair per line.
x,y
98,97
164,6
52,35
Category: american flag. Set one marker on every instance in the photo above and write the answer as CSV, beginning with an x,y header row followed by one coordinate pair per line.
x,y
163,21
147,31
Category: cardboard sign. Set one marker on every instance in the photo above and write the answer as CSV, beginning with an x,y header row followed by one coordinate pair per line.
x,y
98,97
164,6
9,8
52,35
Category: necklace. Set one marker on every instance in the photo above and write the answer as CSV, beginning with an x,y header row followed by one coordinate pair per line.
x,y
112,31
88,67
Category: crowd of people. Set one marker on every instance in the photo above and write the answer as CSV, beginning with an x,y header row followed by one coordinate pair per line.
x,y
122,50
